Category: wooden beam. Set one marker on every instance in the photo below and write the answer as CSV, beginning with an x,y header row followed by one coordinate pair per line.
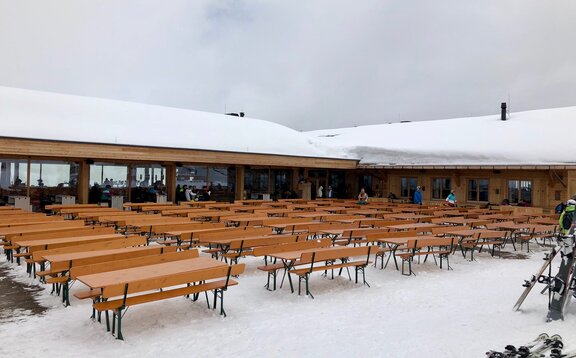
x,y
15,147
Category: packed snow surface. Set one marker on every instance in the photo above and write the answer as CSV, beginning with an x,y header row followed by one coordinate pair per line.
x,y
532,137
52,116
438,313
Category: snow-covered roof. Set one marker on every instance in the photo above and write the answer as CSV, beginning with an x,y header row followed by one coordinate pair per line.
x,y
50,116
540,137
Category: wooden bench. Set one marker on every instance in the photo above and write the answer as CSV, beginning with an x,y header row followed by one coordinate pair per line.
x,y
38,253
95,294
544,232
325,259
236,233
57,275
272,268
358,236
383,250
441,231
243,247
39,232
117,298
441,246
484,238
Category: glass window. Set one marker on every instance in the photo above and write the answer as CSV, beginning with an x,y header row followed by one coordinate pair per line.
x,y
256,183
282,183
49,180
337,180
13,176
365,181
520,191
147,181
408,187
478,189
103,174
222,183
440,188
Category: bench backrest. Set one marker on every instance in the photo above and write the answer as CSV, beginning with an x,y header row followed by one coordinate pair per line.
x,y
437,231
299,245
233,233
330,218
272,240
331,226
373,236
36,219
151,250
541,229
492,234
37,254
136,262
287,220
394,222
336,253
49,226
173,280
66,232
441,241
346,234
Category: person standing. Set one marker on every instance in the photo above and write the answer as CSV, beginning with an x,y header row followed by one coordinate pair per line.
x,y
330,192
451,199
362,197
567,216
418,196
320,192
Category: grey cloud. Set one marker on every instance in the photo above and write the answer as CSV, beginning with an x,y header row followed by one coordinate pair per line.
x,y
305,64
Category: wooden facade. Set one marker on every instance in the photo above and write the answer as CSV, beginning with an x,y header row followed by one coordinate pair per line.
x,y
85,154
548,184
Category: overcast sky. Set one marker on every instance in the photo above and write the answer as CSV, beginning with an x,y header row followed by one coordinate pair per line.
x,y
307,64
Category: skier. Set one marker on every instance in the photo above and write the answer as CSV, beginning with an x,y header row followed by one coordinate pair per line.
x,y
567,215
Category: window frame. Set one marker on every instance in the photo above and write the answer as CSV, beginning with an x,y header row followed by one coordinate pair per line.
x,y
478,190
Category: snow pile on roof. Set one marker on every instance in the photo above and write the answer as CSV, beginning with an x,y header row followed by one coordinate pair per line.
x,y
51,116
532,137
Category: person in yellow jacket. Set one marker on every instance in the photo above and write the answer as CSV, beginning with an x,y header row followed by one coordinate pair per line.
x,y
567,217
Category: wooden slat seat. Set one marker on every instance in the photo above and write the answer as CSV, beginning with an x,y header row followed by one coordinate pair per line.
x,y
272,268
325,259
442,247
496,239
118,297
85,294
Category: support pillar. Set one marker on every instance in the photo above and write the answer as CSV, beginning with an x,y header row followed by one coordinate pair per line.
x,y
83,182
171,182
239,190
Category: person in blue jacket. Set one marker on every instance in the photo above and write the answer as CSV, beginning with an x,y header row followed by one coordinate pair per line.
x,y
418,196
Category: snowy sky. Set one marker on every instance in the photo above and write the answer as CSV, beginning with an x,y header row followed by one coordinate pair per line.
x,y
304,64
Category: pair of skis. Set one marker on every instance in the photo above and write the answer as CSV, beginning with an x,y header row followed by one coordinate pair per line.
x,y
535,348
560,287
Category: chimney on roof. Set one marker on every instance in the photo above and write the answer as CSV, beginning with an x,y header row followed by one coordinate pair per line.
x,y
503,107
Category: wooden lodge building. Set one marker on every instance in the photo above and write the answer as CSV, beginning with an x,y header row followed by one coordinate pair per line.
x,y
54,145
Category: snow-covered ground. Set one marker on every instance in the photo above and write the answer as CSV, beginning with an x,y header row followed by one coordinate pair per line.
x,y
438,313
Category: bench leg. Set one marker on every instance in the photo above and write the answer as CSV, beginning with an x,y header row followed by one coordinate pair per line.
x,y
307,286
219,293
207,299
119,315
410,272
66,294
107,321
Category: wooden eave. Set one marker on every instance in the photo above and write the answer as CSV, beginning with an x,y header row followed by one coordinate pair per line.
x,y
24,148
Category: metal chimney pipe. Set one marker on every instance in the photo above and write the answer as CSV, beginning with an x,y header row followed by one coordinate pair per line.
x,y
503,106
